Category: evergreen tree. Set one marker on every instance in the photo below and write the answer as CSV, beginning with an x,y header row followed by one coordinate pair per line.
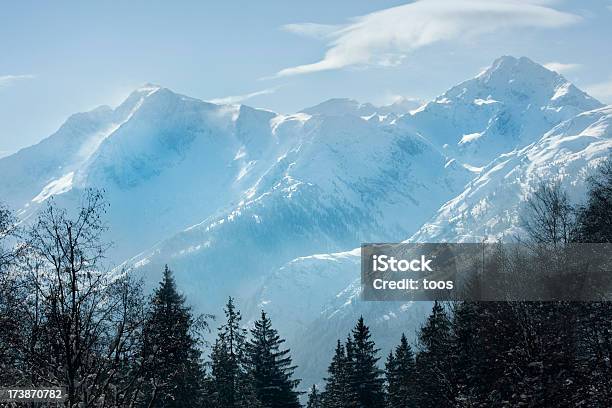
x,y
314,398
270,367
337,393
401,376
391,377
595,218
595,328
469,355
349,390
435,379
170,352
365,378
231,383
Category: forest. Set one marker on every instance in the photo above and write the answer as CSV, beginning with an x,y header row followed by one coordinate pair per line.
x,y
69,320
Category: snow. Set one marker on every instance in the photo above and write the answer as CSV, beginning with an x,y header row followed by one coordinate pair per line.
x,y
473,169
487,101
279,120
490,204
469,137
510,105
385,114
58,186
561,91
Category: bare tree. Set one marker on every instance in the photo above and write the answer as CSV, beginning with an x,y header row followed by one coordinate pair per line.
x,y
83,323
8,231
10,301
548,216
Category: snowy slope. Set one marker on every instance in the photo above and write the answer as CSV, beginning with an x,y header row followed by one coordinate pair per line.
x,y
34,173
507,106
193,184
324,289
165,161
343,182
518,84
489,207
176,162
376,114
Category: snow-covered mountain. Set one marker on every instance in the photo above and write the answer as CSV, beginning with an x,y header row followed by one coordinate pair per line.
x,y
270,207
509,105
342,181
378,114
489,207
34,173
328,285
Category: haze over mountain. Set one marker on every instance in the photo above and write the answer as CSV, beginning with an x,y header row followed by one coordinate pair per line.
x,y
270,207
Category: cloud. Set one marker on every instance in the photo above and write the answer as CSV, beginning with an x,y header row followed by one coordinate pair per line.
x,y
314,30
6,80
561,68
386,37
602,91
228,100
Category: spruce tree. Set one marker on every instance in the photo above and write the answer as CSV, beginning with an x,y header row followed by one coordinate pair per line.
x,y
435,377
595,328
401,376
314,398
337,392
270,367
365,378
170,352
231,383
469,356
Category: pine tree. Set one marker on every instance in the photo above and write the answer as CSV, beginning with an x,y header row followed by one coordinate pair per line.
x,y
314,398
170,352
595,218
435,377
469,357
270,367
365,378
337,392
595,328
401,376
228,372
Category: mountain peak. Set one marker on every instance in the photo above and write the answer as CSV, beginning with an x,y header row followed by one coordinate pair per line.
x,y
150,86
521,82
136,98
508,68
511,61
505,107
345,106
145,90
341,106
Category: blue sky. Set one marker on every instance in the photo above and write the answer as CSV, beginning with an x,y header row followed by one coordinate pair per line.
x,y
71,56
